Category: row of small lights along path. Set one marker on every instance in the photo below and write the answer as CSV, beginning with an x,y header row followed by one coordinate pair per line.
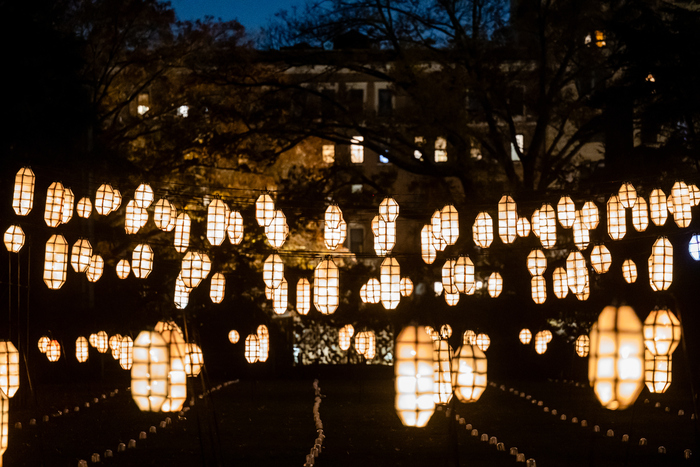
x,y
583,423
318,443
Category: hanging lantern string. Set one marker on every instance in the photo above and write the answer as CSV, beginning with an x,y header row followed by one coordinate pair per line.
x,y
693,394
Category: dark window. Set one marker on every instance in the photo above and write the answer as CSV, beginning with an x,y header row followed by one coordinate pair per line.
x,y
385,104
356,100
328,103
357,240
517,101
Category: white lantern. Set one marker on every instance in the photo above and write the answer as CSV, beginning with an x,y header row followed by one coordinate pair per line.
x,y
469,337
507,219
541,343
149,371
233,336
80,255
495,284
442,377
414,381
123,269
662,332
483,341
101,342
67,211
448,284
95,268
449,224
566,212
601,258
9,368
333,216
436,226
217,287
217,217
548,226
195,268
463,275
53,212
345,336
366,344
658,207
303,296
334,227
280,298
181,296
525,336
55,262
576,272
388,209
81,349
273,271
523,227
469,367
14,238
264,210
235,228
681,204
252,348
538,288
43,343
629,271
581,235
143,196
326,287
371,292
590,218
278,230
142,261
560,283
23,195
181,241
535,223
628,195
427,250
582,345
536,262
84,208
482,230
640,215
693,246
661,264
177,376
615,364
384,236
135,217
406,286
104,199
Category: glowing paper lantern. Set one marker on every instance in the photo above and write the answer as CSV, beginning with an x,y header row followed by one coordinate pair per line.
x,y
640,215
538,287
104,199
273,271
507,219
590,217
414,381
566,212
469,373
123,269
280,298
662,332
235,228
67,211
617,227
681,204
93,339
540,343
525,336
523,227
81,349
483,341
9,368
560,283
217,287
263,343
629,271
54,204
452,299
693,247
149,371
388,209
345,336
126,353
181,241
142,261
442,377
535,223
694,194
406,286
95,268
333,216
628,195
482,230
233,336
390,276
469,337
43,343
143,196
495,284
657,372
217,217
277,231
326,287
177,375
658,207
55,262
427,251
581,235
536,262
448,284
661,264
53,351
303,296
117,199
84,208
252,347
548,226
585,293
162,214
81,252
371,292
14,238
102,342
463,275
115,341
135,218
583,345
576,272
436,225
616,359
264,210
384,236
601,259
334,227
195,268
449,224
366,344
194,359
23,195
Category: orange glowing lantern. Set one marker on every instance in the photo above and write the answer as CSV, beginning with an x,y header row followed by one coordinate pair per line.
x,y
84,208
657,372
541,343
628,195
617,227
662,332
102,342
469,337
67,211
449,224
177,375
582,345
263,343
273,271
95,268
448,284
388,209
181,241
538,287
463,275
55,262
629,271
235,228
345,336
280,298
53,212
640,215
43,343
469,367
414,381
581,235
217,217
126,353
560,283
264,210
427,251
123,269
149,371
590,217
536,262
495,284
143,196
525,336
442,378
194,359
252,348
163,215
53,351
81,349
135,218
81,252
681,204
658,207
217,288
371,292
482,230
23,195
14,238
278,230
390,284
233,336
576,272
104,199
406,286
142,260
548,226
9,368
303,296
523,227
507,219
326,284
601,258
483,341
566,212
661,264
195,268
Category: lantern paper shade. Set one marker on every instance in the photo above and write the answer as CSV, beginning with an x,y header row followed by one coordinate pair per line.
x,y
616,357
23,195
482,230
53,211
117,199
4,422
640,215
43,343
538,288
14,238
251,348
548,226
9,368
195,268
442,377
332,216
163,215
345,336
661,264
303,296
95,268
525,336
657,372
149,371
371,292
123,269
469,367
264,210
143,196
390,284
81,252
217,217
280,298
326,293
55,262
384,236
583,344
235,228
84,208
449,224
67,211
536,262
414,382
427,251
177,375
469,337
445,331
566,212
483,341
581,235
590,217
523,227
681,204
81,349
601,259
135,218
508,219
115,341
181,241
217,288
104,199
657,207
273,271
436,225
628,195
389,209
333,237
53,351
694,247
541,343
233,336
617,227
629,271
406,286
278,230
662,332
194,359
263,343
576,272
463,275
366,344
102,342
142,261
126,353
560,283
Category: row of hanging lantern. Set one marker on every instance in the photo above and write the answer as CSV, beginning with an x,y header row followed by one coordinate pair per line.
x,y
443,230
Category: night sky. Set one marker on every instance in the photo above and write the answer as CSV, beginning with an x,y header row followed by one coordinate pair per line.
x,y
250,13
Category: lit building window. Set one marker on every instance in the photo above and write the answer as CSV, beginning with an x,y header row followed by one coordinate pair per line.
x,y
357,151
420,141
143,104
356,188
600,38
183,111
440,149
383,159
328,153
520,140
357,240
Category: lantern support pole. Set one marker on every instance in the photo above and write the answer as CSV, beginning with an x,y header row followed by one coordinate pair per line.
x,y
689,369
452,433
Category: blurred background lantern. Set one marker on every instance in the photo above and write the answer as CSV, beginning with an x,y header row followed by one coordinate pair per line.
x,y
414,380
43,343
93,339
582,345
469,337
143,196
149,371
483,341
442,377
273,271
452,299
449,224
682,214
576,272
114,342
195,268
371,292
536,262
80,255
23,195
53,211
81,349
482,230
326,293
617,227
548,226
334,227
55,262
507,219
469,367
177,374
95,268
104,199
640,215
142,260
601,258
590,217
217,218
235,229
566,212
117,199
14,238
628,195
427,251
495,284
345,336
102,342
541,341
463,275
388,209
436,227
448,284
163,215
581,235
84,207
365,344
123,268
390,284
661,264
523,227
280,298
657,207
303,296
538,288
525,336
264,210
181,296
217,287
181,241
53,351
233,336
560,283
445,331
9,368
662,332
406,286
126,353
278,230
657,372
194,359
263,342
333,216
384,236
629,271
67,211
135,218
251,348
616,359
